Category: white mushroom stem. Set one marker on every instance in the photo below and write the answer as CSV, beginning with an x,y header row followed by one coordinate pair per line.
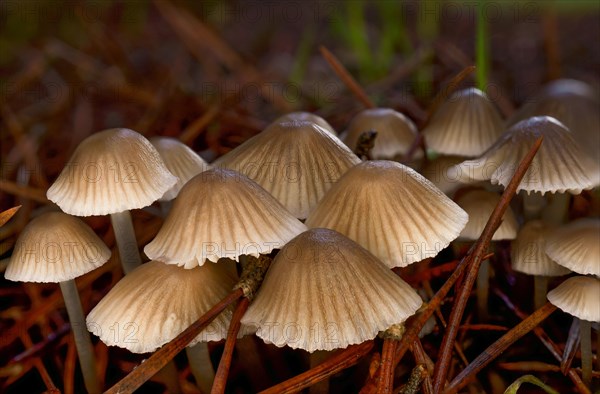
x,y
126,241
83,342
168,375
483,289
533,203
556,211
540,288
585,330
201,365
316,358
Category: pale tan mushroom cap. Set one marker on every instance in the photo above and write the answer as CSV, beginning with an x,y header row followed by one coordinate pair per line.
x,y
577,246
302,116
467,124
324,292
392,211
55,247
479,205
528,254
395,132
155,302
222,213
578,296
111,171
180,160
574,104
559,165
295,161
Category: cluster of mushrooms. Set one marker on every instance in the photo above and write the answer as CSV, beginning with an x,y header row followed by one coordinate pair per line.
x,y
333,224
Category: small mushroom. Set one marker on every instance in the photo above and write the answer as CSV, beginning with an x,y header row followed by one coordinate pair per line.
x,y
112,172
576,246
57,248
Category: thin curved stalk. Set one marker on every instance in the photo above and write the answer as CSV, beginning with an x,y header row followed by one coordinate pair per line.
x,y
483,290
540,289
317,358
201,365
585,329
126,241
83,342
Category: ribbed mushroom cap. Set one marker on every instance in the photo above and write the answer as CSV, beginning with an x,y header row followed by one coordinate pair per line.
x,y
111,171
392,211
559,165
479,205
295,161
467,124
579,296
222,213
576,246
441,173
323,292
306,117
180,160
155,302
55,247
574,104
395,132
528,254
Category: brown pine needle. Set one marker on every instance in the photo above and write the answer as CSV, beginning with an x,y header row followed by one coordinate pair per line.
x,y
346,77
5,216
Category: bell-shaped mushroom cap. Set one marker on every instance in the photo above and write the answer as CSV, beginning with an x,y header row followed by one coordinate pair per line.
x,y
180,160
111,171
155,302
467,124
323,292
222,213
577,246
395,132
573,103
579,296
306,117
559,165
528,254
55,247
392,211
479,205
295,161
441,173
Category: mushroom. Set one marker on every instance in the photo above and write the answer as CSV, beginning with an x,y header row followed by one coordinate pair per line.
x,y
577,246
467,124
392,211
218,214
479,205
528,256
579,296
395,132
324,292
112,172
295,161
57,248
156,302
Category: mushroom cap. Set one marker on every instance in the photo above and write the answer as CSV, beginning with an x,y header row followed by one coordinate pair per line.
x,y
579,296
559,165
111,171
302,116
573,103
180,160
324,291
155,302
528,254
576,246
295,161
392,211
467,124
441,173
222,213
479,205
55,247
395,132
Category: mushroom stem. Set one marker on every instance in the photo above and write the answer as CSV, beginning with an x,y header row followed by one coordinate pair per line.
x,y
483,290
533,203
83,342
201,365
169,377
557,209
165,207
585,330
315,359
540,288
126,241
